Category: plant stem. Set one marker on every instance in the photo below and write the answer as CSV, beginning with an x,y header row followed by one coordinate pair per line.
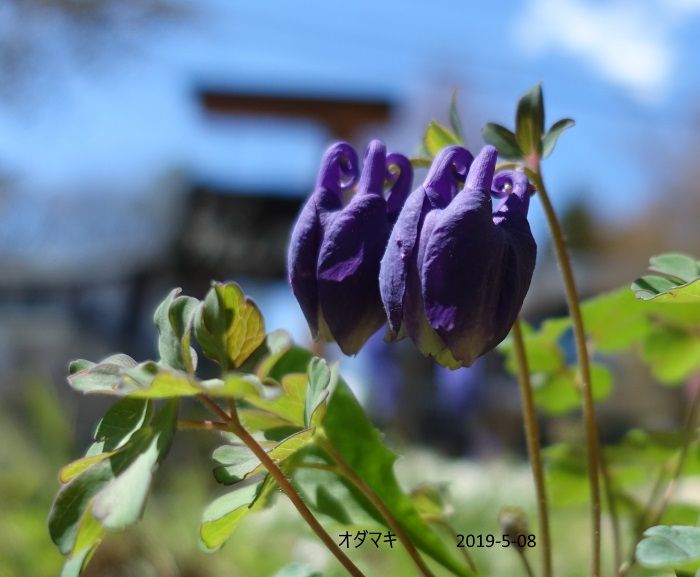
x,y
378,504
185,424
691,424
526,563
465,550
532,436
614,517
234,425
591,425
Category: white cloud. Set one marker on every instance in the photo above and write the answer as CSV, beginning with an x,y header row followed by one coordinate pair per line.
x,y
628,43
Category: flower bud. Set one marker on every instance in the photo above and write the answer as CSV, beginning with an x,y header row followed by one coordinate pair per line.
x,y
335,249
455,272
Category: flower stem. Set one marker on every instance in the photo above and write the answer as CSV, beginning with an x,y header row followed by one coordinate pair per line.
x,y
378,504
589,415
465,550
532,436
614,517
691,423
235,426
526,563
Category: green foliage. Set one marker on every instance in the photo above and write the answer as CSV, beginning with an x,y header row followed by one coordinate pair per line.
x,y
530,139
437,137
228,325
296,404
677,280
675,547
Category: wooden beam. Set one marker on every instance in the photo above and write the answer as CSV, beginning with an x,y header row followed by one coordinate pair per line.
x,y
342,117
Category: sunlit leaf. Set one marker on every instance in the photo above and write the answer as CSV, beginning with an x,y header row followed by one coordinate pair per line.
x,y
678,280
123,418
122,499
549,141
228,325
353,436
503,139
221,517
529,121
437,137
237,462
673,354
421,162
676,547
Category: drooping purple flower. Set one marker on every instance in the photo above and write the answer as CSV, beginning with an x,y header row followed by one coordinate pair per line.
x,y
455,272
335,249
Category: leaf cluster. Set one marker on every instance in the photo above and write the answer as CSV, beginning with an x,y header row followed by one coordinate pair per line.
x,y
295,405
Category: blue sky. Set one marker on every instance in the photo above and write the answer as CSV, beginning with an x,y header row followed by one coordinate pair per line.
x,y
117,111
625,70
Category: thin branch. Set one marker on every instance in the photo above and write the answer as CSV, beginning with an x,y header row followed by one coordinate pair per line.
x,y
532,435
589,414
378,504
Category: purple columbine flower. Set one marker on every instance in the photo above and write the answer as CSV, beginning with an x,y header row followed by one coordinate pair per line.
x,y
455,273
334,251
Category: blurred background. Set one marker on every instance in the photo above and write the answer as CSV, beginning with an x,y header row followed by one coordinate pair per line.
x,y
147,144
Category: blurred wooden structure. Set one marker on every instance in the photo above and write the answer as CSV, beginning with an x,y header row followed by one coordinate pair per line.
x,y
343,117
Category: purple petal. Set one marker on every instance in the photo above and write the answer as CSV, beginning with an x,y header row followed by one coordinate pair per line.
x,y
373,169
338,168
481,171
401,185
348,270
519,257
338,171
460,261
448,169
397,256
446,174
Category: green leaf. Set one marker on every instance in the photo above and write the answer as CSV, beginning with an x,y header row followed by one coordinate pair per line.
x,y
70,503
174,318
72,470
549,141
678,280
678,265
429,502
672,353
297,570
529,121
121,501
437,137
421,162
328,504
676,547
121,421
560,393
228,325
455,122
222,516
503,139
319,375
111,490
567,479
615,320
113,431
105,376
75,564
349,431
238,462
